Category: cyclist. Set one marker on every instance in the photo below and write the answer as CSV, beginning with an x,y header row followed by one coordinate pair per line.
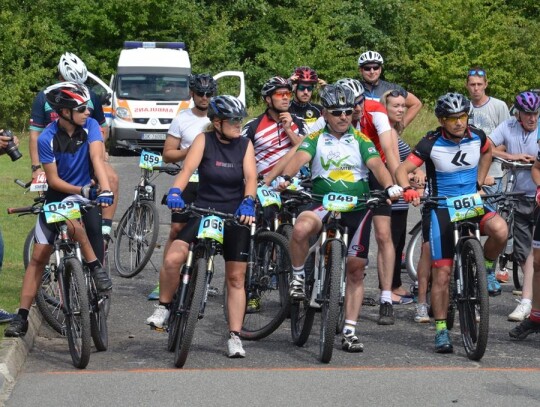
x,y
183,130
370,66
228,183
71,150
305,80
518,136
457,158
340,158
71,68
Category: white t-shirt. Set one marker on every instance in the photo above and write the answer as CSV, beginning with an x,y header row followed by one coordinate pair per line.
x,y
518,141
187,126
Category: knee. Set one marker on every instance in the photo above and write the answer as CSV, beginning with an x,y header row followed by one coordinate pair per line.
x,y
301,232
235,281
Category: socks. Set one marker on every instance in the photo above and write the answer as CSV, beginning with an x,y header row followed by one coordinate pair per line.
x,y
386,296
166,305
440,324
350,327
490,264
106,226
299,271
23,313
534,317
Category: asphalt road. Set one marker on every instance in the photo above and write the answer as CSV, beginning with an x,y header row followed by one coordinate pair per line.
x,y
397,367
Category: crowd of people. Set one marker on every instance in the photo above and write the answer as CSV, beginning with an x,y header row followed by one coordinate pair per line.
x,y
351,142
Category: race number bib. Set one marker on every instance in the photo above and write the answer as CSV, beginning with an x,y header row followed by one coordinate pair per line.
x,y
211,227
61,211
39,184
339,202
149,160
465,207
267,196
194,177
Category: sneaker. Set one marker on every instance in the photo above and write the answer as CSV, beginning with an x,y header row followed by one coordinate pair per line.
x,y
442,342
296,288
102,279
351,344
521,312
253,305
160,317
527,327
421,313
234,345
386,314
502,276
154,295
17,327
5,316
494,287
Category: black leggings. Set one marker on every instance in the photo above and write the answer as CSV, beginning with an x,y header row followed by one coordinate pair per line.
x,y
399,233
92,225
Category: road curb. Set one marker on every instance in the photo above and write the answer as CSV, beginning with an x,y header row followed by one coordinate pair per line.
x,y
13,353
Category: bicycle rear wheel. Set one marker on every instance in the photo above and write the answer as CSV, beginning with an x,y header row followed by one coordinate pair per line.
x,y
78,315
136,238
413,251
188,314
270,284
474,301
302,315
335,264
98,316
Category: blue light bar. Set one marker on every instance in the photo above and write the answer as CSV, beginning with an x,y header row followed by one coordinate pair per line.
x,y
151,44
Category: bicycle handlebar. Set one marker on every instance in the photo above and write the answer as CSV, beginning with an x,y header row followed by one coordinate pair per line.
x,y
170,169
512,164
35,209
22,184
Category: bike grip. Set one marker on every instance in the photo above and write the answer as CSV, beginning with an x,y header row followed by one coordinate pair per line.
x,y
26,209
22,184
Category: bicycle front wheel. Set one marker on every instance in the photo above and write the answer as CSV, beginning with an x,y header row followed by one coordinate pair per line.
x,y
269,286
335,265
473,304
188,314
99,306
78,315
413,252
302,314
136,238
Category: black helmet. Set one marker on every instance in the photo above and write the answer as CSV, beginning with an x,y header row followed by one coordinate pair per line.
x,y
337,97
273,84
226,107
66,95
202,83
452,103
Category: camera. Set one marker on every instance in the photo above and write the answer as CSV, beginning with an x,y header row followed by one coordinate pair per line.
x,y
11,149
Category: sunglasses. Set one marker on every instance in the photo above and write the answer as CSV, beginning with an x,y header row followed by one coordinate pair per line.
x,y
235,120
477,72
371,68
453,120
283,95
396,93
80,109
306,87
338,113
202,94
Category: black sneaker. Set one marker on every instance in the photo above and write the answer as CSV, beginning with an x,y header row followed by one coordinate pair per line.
x,y
525,328
351,344
386,314
102,279
17,327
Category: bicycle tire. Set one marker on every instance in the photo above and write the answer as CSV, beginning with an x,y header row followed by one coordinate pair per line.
x,y
136,238
516,274
189,315
98,316
413,251
270,282
78,315
286,230
475,299
451,314
174,322
302,314
330,300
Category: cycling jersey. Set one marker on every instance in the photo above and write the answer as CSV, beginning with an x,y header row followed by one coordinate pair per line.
x,y
374,121
375,92
270,140
310,112
339,165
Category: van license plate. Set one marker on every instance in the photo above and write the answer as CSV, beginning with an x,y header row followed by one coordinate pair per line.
x,y
154,136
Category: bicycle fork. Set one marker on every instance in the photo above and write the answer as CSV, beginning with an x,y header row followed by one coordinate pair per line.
x,y
458,266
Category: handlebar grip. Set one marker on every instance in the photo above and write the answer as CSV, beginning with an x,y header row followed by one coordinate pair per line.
x,y
26,209
22,184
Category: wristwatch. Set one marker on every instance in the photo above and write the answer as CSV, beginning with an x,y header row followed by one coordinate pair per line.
x,y
36,167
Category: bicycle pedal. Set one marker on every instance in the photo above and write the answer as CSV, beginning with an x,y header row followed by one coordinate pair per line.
x,y
155,328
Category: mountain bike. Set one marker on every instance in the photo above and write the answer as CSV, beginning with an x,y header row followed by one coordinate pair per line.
x,y
83,307
138,229
325,269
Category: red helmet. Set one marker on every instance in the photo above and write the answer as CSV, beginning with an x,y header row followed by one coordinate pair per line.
x,y
306,75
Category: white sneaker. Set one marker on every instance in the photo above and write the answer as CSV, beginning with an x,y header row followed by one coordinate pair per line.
x,y
421,313
521,312
159,318
296,288
234,345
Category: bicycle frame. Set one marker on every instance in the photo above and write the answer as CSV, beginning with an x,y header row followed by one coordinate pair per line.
x,y
462,232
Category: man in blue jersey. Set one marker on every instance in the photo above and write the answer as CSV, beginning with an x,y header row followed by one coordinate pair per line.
x,y
457,158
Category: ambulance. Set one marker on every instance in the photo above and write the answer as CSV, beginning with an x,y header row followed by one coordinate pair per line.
x,y
150,87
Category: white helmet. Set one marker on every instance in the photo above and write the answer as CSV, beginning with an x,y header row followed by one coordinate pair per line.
x,y
370,56
72,68
352,84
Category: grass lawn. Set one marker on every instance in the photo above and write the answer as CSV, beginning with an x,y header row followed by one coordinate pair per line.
x,y
14,228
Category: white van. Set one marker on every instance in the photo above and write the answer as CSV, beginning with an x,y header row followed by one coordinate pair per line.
x,y
150,88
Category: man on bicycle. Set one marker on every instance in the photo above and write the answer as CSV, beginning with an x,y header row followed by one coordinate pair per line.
x,y
457,158
519,136
340,158
305,80
71,150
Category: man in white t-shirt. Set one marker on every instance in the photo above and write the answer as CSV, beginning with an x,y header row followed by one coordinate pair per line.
x,y
184,128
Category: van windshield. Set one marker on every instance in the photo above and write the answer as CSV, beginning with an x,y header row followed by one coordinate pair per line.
x,y
153,87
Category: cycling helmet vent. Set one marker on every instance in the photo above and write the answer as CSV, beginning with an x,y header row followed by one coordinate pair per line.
x,y
452,103
202,83
306,75
370,57
226,107
273,84
72,68
527,102
352,84
337,97
66,95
